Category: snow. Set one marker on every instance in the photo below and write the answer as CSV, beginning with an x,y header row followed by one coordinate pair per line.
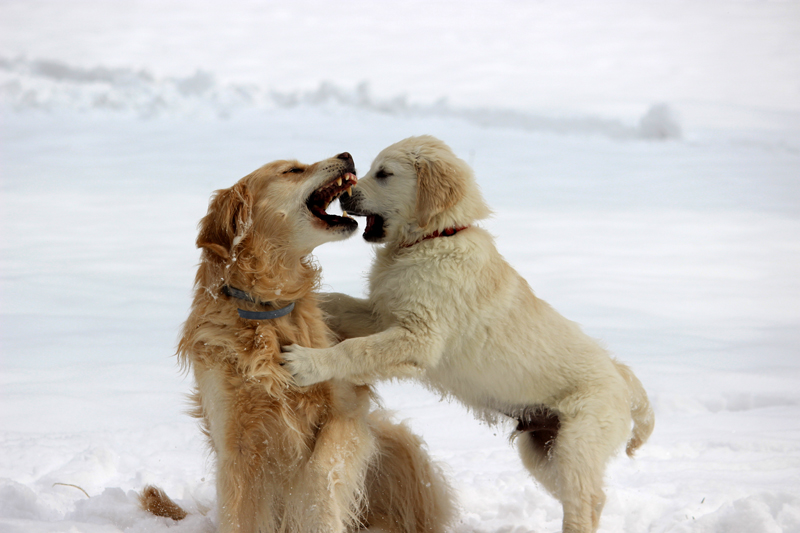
x,y
642,160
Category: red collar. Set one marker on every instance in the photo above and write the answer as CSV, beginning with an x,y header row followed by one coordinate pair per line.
x,y
449,232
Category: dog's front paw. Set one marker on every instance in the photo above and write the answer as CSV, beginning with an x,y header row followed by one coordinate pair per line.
x,y
303,365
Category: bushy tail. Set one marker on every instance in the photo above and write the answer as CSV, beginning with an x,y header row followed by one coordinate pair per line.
x,y
156,501
406,491
641,412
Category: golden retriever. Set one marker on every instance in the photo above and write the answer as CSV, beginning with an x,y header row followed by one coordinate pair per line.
x,y
288,458
445,306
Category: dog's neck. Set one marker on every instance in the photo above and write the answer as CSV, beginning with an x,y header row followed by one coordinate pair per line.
x,y
272,275
449,232
239,294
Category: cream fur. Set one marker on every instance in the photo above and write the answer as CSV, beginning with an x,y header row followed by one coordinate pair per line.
x,y
452,312
288,458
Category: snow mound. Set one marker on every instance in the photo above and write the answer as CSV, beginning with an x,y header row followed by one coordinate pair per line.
x,y
42,84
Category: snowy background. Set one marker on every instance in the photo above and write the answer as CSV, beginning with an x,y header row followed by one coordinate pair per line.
x,y
642,159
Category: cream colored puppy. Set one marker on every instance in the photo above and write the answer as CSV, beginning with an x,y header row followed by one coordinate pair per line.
x,y
446,307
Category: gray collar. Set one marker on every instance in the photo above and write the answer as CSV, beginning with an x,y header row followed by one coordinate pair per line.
x,y
255,315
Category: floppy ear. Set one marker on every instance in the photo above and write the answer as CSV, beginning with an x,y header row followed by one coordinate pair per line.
x,y
227,222
439,187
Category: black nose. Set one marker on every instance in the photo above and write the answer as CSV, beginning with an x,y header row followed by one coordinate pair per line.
x,y
346,157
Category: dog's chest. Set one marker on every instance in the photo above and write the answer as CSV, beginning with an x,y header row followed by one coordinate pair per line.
x,y
386,284
396,292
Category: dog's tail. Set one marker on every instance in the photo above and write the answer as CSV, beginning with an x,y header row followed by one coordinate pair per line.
x,y
156,501
641,412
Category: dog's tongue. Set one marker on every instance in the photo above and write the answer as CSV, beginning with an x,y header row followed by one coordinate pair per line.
x,y
371,219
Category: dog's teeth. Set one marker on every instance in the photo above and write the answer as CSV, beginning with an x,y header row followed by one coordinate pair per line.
x,y
344,213
350,191
339,182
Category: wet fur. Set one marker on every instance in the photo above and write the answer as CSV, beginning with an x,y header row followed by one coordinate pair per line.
x,y
290,459
452,312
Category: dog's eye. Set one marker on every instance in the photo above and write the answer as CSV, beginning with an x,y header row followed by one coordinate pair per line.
x,y
294,170
382,174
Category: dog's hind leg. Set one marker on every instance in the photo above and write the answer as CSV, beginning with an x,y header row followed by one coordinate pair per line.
x,y
580,479
569,458
599,426
535,436
407,492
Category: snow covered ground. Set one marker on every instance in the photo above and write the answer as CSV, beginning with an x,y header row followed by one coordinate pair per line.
x,y
642,160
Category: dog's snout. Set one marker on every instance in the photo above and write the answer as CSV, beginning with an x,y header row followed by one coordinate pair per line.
x,y
349,165
351,202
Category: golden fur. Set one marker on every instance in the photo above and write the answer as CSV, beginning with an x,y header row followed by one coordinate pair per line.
x,y
452,312
288,458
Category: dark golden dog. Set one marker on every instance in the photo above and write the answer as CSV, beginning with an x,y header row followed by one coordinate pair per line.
x,y
289,458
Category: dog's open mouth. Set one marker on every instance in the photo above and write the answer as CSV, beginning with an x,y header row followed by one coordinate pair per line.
x,y
374,232
321,198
